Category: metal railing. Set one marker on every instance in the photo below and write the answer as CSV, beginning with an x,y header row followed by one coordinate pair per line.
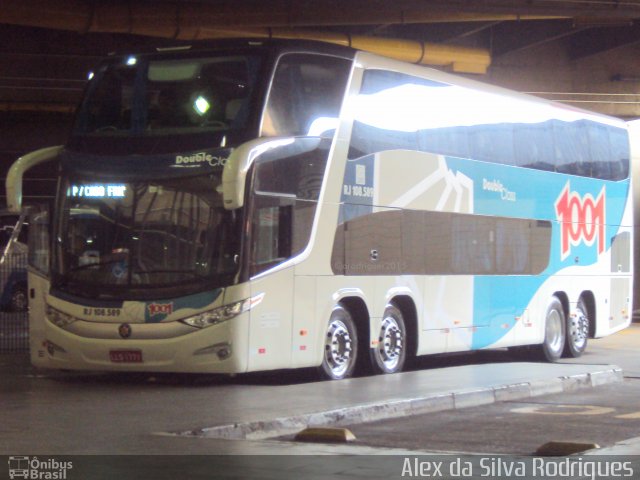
x,y
14,332
14,321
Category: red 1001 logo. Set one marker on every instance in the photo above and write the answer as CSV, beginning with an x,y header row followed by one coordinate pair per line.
x,y
582,218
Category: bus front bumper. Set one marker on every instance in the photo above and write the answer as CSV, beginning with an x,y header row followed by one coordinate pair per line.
x,y
216,349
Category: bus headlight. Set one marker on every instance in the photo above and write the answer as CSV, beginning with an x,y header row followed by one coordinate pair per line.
x,y
224,313
59,318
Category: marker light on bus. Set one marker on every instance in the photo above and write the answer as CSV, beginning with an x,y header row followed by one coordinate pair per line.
x,y
224,313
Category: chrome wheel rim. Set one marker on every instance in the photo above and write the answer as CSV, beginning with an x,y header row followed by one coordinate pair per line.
x,y
390,343
338,348
578,329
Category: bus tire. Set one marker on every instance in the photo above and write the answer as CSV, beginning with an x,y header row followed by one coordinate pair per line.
x,y
577,331
340,345
390,353
554,332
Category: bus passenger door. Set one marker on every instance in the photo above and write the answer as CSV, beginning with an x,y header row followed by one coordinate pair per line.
x,y
285,186
270,247
38,281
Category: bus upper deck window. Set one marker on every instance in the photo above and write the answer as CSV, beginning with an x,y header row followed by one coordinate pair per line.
x,y
306,95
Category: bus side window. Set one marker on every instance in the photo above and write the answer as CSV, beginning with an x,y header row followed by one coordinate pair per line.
x,y
600,151
271,214
284,204
272,235
306,95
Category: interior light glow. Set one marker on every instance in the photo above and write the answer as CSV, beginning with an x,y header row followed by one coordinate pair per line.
x,y
201,105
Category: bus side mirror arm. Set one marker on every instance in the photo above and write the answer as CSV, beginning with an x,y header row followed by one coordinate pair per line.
x,y
13,183
234,175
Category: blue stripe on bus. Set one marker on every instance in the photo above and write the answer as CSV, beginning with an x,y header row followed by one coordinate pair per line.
x,y
498,300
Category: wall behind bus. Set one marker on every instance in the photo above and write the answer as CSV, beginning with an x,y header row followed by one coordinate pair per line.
x,y
23,132
595,83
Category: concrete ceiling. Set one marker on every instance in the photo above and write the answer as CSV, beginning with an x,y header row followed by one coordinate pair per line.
x,y
47,47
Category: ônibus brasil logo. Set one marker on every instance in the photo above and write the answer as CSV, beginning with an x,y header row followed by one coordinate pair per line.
x,y
582,220
38,469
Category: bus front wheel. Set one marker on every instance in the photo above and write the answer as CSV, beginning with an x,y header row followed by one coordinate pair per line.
x,y
340,345
555,332
390,352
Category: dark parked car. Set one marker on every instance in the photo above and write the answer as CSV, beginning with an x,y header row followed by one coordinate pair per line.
x,y
13,262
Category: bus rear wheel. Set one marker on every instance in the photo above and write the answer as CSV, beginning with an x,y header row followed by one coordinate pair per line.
x,y
555,332
390,353
577,331
340,345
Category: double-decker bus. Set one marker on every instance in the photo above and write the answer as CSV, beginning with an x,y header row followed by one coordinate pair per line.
x,y
270,205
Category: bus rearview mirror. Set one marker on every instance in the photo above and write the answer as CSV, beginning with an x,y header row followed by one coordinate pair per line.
x,y
234,175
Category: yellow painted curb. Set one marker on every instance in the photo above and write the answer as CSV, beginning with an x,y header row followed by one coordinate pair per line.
x,y
561,449
325,434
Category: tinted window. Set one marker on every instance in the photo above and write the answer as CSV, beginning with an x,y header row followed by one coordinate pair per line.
x,y
397,111
173,96
441,243
284,206
306,95
168,103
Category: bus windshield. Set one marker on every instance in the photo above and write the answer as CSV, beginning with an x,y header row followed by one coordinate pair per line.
x,y
146,97
134,237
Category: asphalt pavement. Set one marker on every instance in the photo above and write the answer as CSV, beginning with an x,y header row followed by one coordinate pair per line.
x,y
217,419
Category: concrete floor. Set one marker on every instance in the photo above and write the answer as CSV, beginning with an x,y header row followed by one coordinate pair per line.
x,y
58,414
109,414
601,416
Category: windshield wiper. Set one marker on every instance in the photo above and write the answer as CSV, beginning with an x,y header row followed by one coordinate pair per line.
x,y
151,272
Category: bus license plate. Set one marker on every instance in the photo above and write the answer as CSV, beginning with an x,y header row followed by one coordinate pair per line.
x,y
126,356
